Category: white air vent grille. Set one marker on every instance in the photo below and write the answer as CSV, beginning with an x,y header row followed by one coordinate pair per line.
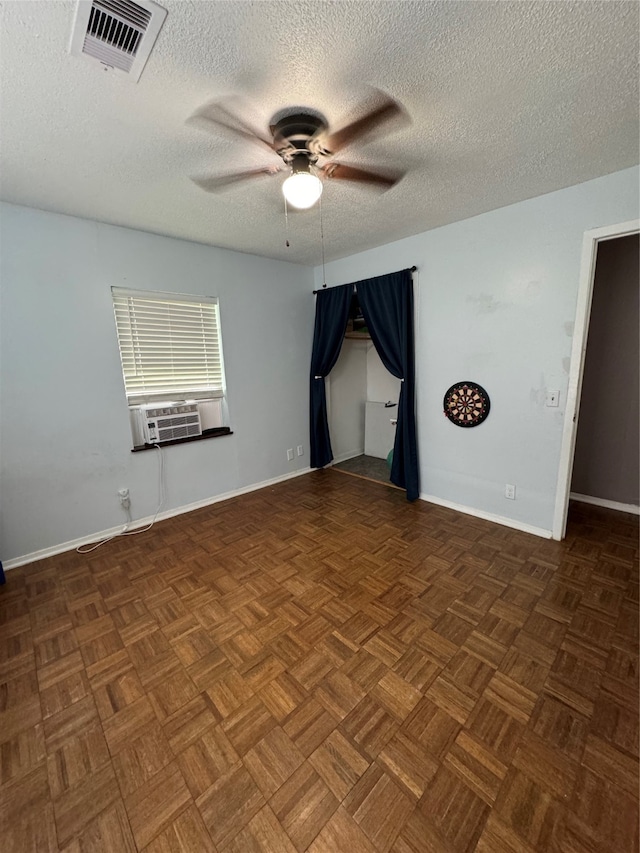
x,y
114,32
118,33
170,431
166,423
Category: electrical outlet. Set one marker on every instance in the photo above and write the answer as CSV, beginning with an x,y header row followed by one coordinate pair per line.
x,y
300,450
124,493
290,454
510,492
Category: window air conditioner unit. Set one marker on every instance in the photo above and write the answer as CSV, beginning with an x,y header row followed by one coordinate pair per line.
x,y
166,423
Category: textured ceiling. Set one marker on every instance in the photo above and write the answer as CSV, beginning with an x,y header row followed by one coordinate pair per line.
x,y
507,100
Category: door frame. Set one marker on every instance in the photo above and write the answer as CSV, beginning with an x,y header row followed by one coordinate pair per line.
x,y
590,243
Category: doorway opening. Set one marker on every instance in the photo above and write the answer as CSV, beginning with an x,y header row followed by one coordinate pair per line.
x,y
362,403
601,432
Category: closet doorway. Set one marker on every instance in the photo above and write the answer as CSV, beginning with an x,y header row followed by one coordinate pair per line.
x,y
387,308
606,465
362,403
599,457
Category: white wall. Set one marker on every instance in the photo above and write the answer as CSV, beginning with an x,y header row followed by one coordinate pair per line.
x,y
65,437
496,299
381,385
346,389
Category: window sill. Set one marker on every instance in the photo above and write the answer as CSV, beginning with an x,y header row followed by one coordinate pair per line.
x,y
209,433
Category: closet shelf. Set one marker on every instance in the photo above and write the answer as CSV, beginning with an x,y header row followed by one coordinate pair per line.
x,y
358,336
356,327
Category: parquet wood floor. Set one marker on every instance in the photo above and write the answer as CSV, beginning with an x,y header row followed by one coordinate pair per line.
x,y
321,666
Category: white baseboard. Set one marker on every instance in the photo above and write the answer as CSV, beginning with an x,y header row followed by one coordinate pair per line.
x,y
142,522
488,516
351,454
588,499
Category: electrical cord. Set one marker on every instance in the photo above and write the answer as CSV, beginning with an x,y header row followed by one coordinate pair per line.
x,y
125,530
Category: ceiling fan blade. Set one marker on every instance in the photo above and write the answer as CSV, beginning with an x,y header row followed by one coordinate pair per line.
x,y
352,173
217,114
219,182
386,110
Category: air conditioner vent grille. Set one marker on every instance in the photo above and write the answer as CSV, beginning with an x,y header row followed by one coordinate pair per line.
x,y
125,11
118,33
166,423
114,38
163,423
171,433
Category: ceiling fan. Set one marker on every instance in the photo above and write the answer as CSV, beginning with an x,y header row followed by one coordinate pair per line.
x,y
301,137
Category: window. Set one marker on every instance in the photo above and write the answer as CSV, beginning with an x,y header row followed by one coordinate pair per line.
x,y
170,346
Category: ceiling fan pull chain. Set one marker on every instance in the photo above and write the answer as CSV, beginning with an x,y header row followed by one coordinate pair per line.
x,y
324,278
286,223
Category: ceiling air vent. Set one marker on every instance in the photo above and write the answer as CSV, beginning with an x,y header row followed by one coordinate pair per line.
x,y
118,33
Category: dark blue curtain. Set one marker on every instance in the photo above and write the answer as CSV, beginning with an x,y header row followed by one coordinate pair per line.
x,y
332,314
387,306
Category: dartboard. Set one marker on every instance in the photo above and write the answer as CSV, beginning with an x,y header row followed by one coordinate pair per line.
x,y
466,404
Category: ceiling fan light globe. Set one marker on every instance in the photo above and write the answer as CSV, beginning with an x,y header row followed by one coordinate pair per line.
x,y
302,190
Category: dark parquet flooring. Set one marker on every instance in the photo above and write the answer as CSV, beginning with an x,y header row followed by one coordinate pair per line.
x,y
320,666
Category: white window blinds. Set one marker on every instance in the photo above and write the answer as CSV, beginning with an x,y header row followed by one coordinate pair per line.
x,y
169,346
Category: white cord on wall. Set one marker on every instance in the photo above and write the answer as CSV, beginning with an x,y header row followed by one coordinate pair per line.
x,y
83,549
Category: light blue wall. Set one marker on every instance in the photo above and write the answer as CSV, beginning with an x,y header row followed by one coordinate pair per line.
x,y
496,300
65,437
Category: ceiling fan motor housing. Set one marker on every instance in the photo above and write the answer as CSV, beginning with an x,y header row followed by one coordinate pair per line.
x,y
301,162
292,135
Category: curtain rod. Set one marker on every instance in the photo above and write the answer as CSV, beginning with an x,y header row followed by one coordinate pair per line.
x,y
411,269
